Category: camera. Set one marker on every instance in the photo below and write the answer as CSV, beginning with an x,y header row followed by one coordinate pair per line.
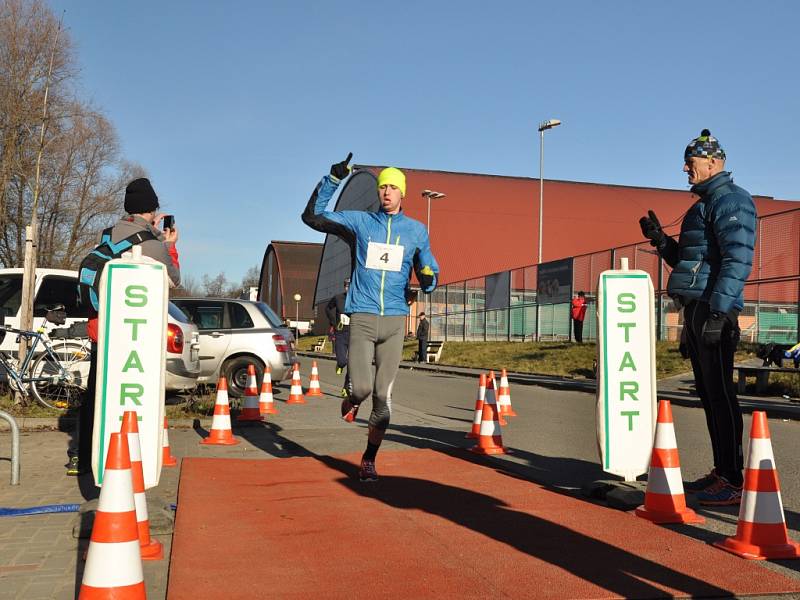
x,y
168,222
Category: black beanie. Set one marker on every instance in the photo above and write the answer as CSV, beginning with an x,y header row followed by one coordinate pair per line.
x,y
140,197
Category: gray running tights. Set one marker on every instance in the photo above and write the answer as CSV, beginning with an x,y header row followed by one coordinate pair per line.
x,y
379,338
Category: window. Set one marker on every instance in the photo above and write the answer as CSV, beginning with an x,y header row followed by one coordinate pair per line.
x,y
10,294
207,315
272,318
59,290
178,314
240,318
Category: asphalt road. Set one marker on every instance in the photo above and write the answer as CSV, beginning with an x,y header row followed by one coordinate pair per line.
x,y
554,440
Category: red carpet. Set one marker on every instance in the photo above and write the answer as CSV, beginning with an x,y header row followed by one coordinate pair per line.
x,y
435,526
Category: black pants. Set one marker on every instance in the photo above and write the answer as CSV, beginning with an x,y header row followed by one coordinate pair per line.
x,y
422,349
578,327
341,346
86,417
713,376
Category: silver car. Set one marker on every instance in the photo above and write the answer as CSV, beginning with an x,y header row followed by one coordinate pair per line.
x,y
183,351
235,334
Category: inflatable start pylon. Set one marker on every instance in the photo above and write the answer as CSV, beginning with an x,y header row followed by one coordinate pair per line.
x,y
476,420
313,383
250,410
504,396
296,392
150,549
761,532
221,434
113,563
664,500
490,437
266,402
166,454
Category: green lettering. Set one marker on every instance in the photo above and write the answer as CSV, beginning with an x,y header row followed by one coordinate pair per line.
x,y
626,300
136,323
630,414
628,387
627,328
133,362
627,362
136,296
132,392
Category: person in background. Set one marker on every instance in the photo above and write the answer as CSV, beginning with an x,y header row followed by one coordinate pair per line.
x,y
340,328
423,331
711,261
578,314
141,206
388,244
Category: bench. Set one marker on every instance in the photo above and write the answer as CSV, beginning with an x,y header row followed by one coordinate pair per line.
x,y
433,351
320,345
760,373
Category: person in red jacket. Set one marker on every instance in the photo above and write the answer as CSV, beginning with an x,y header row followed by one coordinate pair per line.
x,y
578,314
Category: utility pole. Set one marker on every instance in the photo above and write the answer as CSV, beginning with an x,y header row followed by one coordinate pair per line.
x,y
32,230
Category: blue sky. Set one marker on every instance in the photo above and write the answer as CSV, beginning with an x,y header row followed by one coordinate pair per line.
x,y
237,108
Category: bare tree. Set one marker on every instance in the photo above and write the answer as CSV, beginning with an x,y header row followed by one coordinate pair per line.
x,y
188,288
215,286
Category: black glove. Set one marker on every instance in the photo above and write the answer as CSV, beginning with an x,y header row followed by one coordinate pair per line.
x,y
340,170
651,229
425,277
712,328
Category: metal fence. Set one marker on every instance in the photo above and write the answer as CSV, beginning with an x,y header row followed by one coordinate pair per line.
x,y
480,309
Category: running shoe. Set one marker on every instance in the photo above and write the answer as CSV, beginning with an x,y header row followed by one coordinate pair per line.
x,y
367,471
349,410
72,467
720,493
345,393
339,370
698,485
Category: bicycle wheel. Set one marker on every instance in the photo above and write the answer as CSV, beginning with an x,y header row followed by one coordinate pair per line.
x,y
64,381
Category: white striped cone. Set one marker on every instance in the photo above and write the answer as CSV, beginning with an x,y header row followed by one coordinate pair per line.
x,y
150,549
761,532
166,453
250,411
490,438
476,421
113,562
500,417
296,392
664,500
313,383
266,401
221,434
504,396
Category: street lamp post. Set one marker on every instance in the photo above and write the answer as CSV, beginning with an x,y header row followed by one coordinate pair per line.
x,y
431,195
297,298
543,126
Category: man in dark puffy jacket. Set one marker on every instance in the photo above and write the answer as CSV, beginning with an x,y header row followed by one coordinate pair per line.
x,y
711,262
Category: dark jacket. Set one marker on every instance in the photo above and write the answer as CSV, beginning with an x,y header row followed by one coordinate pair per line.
x,y
423,328
335,309
713,256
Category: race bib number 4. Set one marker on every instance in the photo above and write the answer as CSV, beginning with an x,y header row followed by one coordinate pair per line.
x,y
384,257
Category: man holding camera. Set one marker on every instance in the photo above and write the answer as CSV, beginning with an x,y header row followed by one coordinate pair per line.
x,y
141,206
711,262
386,245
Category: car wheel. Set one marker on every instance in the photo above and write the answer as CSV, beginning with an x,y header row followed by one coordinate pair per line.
x,y
235,372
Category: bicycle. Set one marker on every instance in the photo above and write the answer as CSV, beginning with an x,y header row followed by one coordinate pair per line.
x,y
59,373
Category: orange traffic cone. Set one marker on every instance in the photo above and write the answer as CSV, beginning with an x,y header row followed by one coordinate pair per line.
x,y
313,383
266,402
504,396
250,411
664,500
296,393
761,532
491,377
150,549
166,457
490,437
221,434
113,563
476,421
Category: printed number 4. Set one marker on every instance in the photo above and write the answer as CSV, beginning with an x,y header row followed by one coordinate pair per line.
x,y
384,257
